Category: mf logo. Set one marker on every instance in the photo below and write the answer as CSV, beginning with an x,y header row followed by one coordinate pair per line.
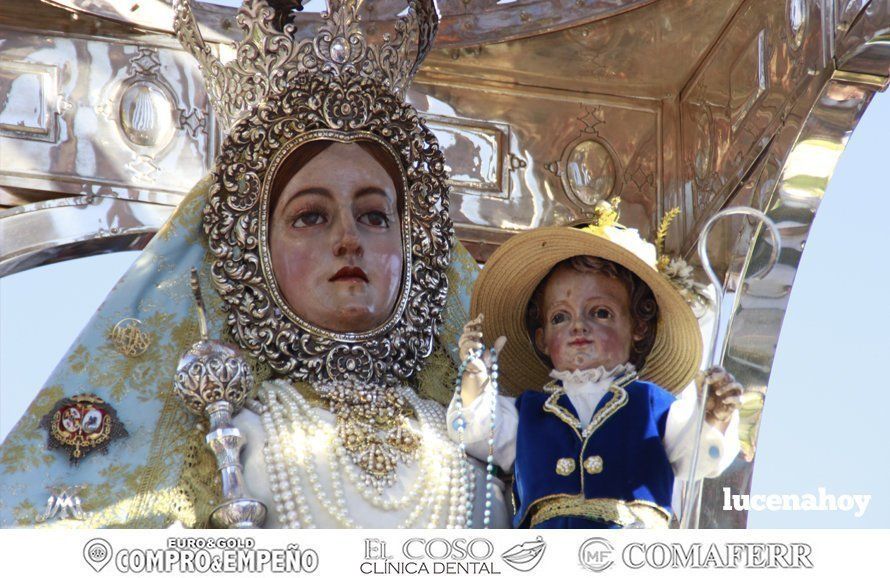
x,y
596,554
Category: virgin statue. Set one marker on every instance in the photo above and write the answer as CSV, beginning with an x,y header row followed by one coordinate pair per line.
x,y
323,241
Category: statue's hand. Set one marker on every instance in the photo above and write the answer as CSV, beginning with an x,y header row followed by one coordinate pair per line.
x,y
476,372
471,341
724,395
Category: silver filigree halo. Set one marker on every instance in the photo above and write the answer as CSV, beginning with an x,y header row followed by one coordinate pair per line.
x,y
336,87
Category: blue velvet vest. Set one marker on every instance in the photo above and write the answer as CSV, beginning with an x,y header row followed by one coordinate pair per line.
x,y
625,451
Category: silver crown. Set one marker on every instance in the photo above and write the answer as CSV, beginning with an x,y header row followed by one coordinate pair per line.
x,y
270,58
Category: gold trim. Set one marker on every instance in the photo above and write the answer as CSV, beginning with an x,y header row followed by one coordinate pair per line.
x,y
551,386
618,400
536,502
609,510
141,509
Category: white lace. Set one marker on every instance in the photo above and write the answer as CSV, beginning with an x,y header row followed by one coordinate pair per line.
x,y
586,387
596,377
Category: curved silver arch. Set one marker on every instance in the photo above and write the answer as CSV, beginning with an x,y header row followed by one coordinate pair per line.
x,y
759,304
70,228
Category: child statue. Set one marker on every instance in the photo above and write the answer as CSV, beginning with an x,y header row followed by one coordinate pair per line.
x,y
599,442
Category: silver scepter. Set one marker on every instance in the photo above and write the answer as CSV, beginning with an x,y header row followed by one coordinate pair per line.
x,y
717,351
213,380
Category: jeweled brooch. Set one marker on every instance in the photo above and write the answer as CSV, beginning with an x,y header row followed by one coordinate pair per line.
x,y
81,424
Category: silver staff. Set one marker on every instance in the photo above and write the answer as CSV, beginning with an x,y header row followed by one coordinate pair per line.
x,y
692,491
213,380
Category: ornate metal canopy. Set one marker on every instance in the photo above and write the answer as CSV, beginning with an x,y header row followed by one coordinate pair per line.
x,y
542,108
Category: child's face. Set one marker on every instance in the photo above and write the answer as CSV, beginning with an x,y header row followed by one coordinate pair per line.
x,y
587,321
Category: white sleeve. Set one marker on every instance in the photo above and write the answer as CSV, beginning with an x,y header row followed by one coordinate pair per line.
x,y
716,450
477,429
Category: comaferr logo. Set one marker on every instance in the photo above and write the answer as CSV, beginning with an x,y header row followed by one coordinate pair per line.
x,y
598,554
660,555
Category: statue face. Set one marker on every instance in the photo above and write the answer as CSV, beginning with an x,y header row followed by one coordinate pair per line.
x,y
335,240
586,321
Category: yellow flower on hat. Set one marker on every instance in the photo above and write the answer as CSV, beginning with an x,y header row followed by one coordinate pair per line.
x,y
605,224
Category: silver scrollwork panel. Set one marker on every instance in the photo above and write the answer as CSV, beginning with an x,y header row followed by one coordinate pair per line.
x,y
87,115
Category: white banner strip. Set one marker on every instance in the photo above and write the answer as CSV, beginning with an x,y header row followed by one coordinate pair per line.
x,y
507,553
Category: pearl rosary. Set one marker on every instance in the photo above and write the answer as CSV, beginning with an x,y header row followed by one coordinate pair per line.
x,y
460,425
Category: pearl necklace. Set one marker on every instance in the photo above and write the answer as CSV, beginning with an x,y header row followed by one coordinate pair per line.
x,y
296,435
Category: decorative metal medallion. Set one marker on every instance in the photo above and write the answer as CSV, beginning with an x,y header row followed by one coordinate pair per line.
x,y
591,171
146,115
63,502
81,424
129,339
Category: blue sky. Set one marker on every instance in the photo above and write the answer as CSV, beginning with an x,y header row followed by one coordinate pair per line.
x,y
827,399
825,408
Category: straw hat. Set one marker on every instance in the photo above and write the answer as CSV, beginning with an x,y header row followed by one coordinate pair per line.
x,y
509,278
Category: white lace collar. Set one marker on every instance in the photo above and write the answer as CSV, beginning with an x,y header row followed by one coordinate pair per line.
x,y
594,378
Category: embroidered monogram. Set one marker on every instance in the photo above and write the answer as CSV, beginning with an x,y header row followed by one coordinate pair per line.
x,y
129,338
63,502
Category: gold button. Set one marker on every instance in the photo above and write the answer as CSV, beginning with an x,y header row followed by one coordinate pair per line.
x,y
593,465
565,466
